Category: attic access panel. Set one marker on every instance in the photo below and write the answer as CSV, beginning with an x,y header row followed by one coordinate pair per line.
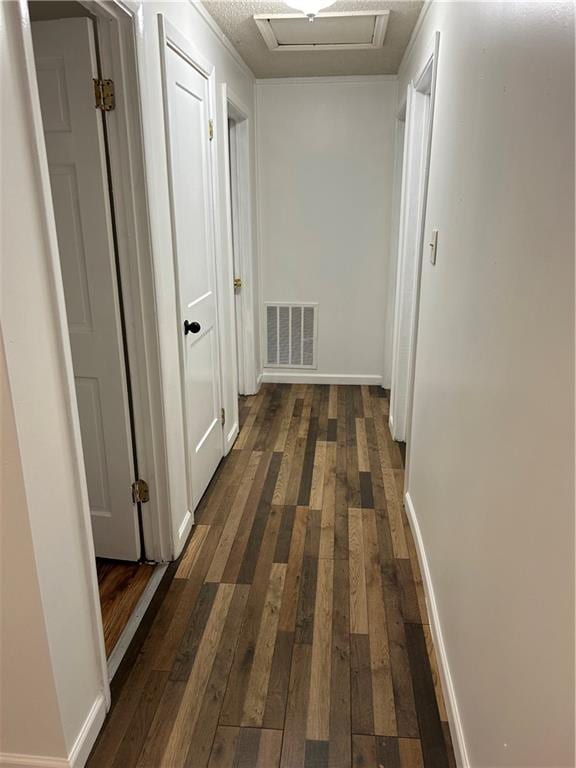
x,y
344,31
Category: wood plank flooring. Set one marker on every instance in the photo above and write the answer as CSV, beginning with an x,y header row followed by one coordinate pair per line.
x,y
120,586
294,634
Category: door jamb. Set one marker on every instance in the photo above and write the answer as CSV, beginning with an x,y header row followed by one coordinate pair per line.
x,y
118,55
233,108
424,82
399,154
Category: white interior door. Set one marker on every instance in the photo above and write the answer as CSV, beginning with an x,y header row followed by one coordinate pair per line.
x,y
409,249
65,55
187,116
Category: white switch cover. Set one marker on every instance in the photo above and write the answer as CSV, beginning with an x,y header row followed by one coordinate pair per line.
x,y
433,246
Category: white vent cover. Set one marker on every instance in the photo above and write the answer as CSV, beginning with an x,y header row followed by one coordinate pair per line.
x,y
337,31
291,331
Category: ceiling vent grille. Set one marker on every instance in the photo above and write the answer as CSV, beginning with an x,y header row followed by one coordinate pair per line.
x,y
291,335
337,31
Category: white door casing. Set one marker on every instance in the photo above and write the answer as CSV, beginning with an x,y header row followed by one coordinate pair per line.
x,y
408,257
66,64
187,116
415,175
235,241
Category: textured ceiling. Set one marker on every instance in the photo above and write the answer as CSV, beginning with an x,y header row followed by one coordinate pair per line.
x,y
234,17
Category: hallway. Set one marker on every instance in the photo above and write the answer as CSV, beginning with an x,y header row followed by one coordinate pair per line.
x,y
295,631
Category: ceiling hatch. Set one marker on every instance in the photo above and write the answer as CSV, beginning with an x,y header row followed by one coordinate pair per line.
x,y
345,31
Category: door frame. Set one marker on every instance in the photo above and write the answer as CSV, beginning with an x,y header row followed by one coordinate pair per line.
x,y
116,26
240,237
399,152
169,36
407,298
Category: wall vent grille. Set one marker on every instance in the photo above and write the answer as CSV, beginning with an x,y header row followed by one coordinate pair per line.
x,y
291,331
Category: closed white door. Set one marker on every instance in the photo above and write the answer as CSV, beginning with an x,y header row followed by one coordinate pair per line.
x,y
188,146
65,55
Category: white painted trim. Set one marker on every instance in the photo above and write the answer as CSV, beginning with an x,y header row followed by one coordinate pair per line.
x,y
259,234
233,248
221,37
414,36
88,734
79,752
184,530
454,720
291,377
172,37
116,38
233,434
263,23
263,20
392,265
245,373
134,621
328,80
412,220
432,65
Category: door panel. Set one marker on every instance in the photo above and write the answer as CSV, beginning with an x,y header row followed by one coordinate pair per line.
x,y
65,55
187,115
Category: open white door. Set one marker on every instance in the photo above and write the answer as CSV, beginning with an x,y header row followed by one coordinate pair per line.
x,y
188,147
65,55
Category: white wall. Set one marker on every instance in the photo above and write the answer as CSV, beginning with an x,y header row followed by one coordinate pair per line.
x,y
191,24
52,645
491,457
325,164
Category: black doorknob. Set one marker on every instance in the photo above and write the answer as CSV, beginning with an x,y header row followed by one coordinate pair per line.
x,y
191,327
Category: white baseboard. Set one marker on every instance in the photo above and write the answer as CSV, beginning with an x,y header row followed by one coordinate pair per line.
x,y
87,736
32,761
80,751
258,382
232,435
183,531
454,720
303,377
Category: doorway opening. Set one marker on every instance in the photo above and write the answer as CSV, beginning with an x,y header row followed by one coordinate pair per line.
x,y
76,51
239,220
414,189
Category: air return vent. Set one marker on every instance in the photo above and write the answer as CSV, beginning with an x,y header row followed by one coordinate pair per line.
x,y
291,335
340,31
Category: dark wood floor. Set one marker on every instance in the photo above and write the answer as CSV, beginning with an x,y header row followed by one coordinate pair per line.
x,y
294,633
120,586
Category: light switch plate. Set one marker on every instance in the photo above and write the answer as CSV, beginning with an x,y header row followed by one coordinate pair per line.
x,y
433,246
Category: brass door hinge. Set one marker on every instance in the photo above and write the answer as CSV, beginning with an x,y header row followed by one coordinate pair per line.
x,y
104,95
237,282
140,492
210,130
223,416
